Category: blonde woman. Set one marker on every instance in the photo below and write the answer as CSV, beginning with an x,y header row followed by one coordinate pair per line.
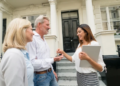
x,y
15,67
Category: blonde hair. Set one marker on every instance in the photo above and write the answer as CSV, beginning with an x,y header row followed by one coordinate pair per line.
x,y
15,35
40,19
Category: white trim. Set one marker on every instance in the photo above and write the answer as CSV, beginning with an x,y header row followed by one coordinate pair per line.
x,y
5,8
104,32
117,39
53,17
108,18
50,37
1,24
90,15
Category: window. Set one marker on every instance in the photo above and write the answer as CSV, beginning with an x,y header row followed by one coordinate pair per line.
x,y
113,13
31,19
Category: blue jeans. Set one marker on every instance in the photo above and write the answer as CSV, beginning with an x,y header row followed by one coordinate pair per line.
x,y
46,79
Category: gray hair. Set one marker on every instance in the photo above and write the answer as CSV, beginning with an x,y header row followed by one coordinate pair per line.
x,y
40,19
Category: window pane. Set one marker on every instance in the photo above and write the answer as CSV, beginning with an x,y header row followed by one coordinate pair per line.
x,y
104,18
114,13
116,26
69,15
32,20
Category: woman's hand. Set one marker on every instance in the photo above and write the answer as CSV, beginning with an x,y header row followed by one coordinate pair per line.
x,y
60,51
83,56
65,54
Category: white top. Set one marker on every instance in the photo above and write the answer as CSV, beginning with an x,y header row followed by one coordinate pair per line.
x,y
39,53
13,69
75,58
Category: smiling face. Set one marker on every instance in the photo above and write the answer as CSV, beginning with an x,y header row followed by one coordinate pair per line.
x,y
45,26
81,34
29,34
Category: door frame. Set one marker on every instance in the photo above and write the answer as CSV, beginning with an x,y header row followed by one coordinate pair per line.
x,y
64,19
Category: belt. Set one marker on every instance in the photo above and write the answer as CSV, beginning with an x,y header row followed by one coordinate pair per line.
x,y
42,72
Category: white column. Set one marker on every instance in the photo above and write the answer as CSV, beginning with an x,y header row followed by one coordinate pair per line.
x,y
53,17
90,15
108,18
1,19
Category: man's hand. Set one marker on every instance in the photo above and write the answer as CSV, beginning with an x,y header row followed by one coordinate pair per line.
x,y
55,75
58,58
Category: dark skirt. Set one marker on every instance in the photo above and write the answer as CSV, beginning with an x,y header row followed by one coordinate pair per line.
x,y
87,79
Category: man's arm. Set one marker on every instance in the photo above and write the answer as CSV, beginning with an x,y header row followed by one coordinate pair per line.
x,y
39,63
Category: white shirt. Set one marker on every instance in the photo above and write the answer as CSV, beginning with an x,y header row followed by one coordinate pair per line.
x,y
75,58
39,53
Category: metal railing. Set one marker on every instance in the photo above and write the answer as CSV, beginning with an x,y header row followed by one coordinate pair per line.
x,y
118,50
1,56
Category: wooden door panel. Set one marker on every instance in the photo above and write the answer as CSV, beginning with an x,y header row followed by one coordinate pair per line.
x,y
69,28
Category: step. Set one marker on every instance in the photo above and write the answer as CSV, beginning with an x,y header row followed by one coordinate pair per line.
x,y
64,59
73,83
67,83
102,83
67,76
70,54
66,69
65,63
70,76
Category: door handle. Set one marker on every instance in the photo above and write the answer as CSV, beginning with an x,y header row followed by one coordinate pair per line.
x,y
71,40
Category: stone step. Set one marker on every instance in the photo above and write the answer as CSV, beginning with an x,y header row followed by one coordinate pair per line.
x,y
102,83
65,63
70,54
64,59
67,83
67,76
73,83
70,76
66,69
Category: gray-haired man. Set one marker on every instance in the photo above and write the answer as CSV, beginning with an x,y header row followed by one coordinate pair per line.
x,y
40,55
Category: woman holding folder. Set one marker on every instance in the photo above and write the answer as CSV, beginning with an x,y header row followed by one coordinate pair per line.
x,y
86,76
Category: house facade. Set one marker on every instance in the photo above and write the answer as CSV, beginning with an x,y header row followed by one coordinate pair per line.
x,y
103,16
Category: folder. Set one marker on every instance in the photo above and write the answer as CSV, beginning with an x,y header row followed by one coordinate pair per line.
x,y
93,52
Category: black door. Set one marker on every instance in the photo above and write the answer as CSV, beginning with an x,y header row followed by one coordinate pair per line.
x,y
4,29
70,39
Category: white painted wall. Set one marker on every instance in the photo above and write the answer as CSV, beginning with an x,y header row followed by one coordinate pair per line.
x,y
106,40
66,5
1,16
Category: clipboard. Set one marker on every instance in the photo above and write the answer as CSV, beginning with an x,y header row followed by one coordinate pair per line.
x,y
93,52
